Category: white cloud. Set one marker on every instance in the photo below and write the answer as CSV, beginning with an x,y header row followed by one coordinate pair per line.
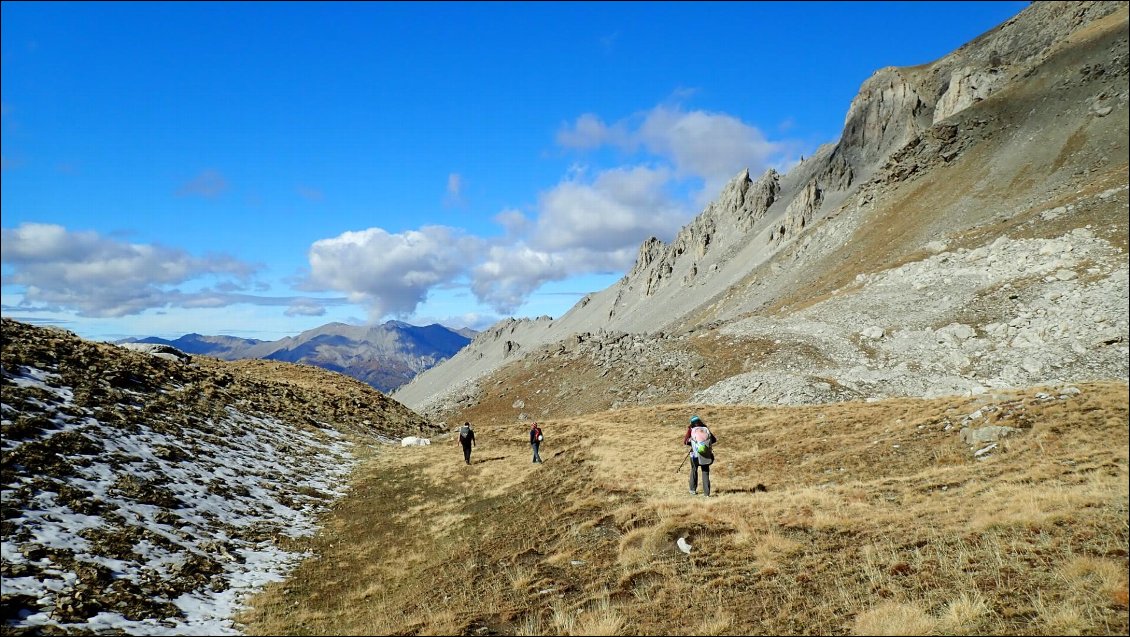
x,y
473,320
589,131
511,273
620,207
513,221
98,276
711,147
391,273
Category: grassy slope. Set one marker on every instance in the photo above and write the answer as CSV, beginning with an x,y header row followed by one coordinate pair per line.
x,y
876,520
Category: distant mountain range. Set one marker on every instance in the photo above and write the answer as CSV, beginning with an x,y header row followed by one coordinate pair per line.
x,y
383,356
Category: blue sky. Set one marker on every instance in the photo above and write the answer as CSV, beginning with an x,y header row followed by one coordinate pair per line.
x,y
260,169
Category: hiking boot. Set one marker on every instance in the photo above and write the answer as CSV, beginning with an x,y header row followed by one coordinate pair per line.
x,y
694,492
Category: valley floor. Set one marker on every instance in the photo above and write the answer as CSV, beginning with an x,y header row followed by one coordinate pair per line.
x,y
848,518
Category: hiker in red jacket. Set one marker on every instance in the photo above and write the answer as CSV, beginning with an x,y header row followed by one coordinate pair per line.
x,y
535,441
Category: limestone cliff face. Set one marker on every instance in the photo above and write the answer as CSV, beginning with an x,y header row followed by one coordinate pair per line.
x,y
740,206
967,86
891,108
801,210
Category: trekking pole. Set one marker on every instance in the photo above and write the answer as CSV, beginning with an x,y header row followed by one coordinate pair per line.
x,y
684,460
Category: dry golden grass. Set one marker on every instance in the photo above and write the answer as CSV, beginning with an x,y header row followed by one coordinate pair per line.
x,y
875,520
894,618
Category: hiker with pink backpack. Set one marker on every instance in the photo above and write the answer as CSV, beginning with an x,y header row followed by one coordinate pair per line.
x,y
701,442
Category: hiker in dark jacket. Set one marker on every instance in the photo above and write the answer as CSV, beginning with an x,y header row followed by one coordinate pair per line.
x,y
702,455
535,441
467,439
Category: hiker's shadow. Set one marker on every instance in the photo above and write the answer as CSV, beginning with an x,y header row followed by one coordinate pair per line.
x,y
760,488
492,459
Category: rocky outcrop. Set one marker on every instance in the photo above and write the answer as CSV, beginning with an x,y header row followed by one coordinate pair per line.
x,y
966,86
740,206
800,212
892,107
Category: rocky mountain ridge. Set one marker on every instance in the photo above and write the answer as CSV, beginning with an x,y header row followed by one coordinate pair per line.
x,y
1018,135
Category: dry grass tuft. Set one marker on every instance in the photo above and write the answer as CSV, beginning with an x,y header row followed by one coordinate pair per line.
x,y
963,616
895,618
1058,618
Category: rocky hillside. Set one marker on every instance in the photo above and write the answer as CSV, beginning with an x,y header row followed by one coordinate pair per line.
x,y
383,356
149,491
967,232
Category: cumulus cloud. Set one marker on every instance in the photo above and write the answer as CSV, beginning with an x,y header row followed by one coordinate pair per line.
x,y
510,274
391,273
619,207
475,321
712,146
98,276
208,184
709,146
513,221
590,131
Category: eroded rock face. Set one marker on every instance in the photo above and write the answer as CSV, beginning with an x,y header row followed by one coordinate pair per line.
x,y
891,108
800,212
894,127
742,204
967,86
